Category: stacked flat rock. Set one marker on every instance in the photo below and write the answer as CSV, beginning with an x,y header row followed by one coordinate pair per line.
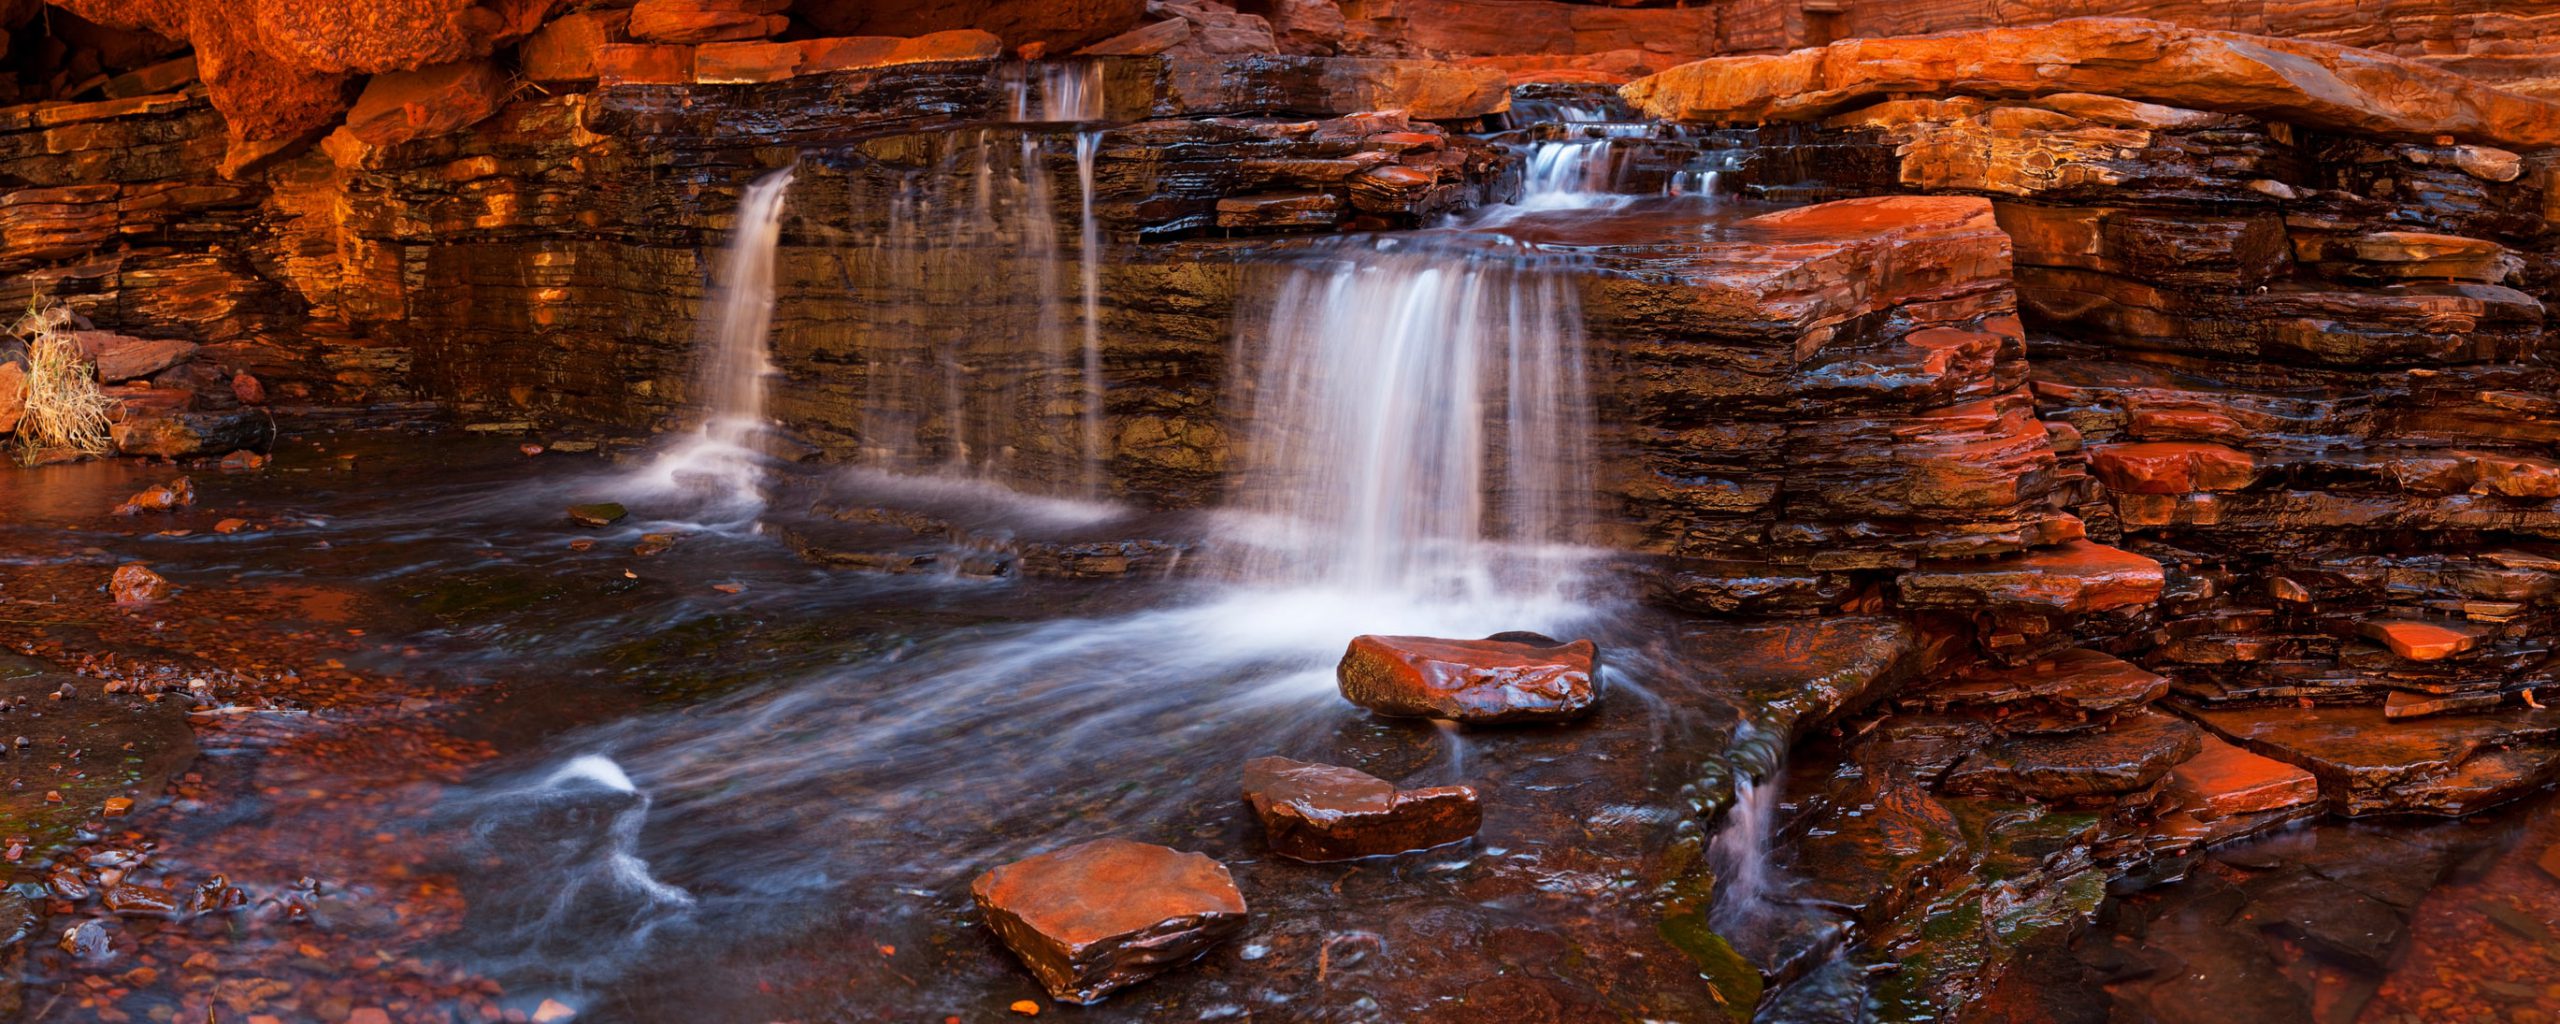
x,y
1100,916
2295,365
1503,679
1322,812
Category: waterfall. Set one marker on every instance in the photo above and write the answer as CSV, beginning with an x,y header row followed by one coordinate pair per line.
x,y
720,461
1089,270
971,365
1739,854
1055,90
1416,418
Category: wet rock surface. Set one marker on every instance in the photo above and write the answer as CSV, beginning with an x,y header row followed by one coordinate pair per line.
x,y
1494,681
1321,812
1107,914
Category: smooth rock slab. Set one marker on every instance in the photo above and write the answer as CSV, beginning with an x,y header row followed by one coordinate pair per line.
x,y
1322,812
1499,679
1100,916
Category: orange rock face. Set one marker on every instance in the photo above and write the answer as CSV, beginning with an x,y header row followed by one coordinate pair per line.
x,y
1490,681
277,69
2316,85
134,583
2419,641
707,21
2172,467
1100,916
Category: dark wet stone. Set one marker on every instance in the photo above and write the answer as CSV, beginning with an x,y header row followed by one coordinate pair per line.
x,y
602,513
1480,682
1320,812
2333,918
1103,915
1902,843
2073,681
2371,764
2132,753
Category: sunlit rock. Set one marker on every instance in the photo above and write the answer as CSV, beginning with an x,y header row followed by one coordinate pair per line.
x,y
1496,680
1321,812
1100,916
135,584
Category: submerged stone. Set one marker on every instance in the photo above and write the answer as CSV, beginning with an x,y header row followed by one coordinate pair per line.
x,y
1103,915
1322,812
166,497
602,513
135,583
1500,679
2133,753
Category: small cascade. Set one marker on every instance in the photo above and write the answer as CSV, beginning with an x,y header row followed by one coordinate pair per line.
x,y
578,829
1054,90
1416,418
720,462
978,363
1739,854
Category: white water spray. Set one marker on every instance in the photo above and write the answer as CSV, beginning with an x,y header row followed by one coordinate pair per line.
x,y
720,461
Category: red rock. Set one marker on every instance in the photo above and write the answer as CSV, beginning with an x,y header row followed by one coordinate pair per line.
x,y
230,526
1103,915
2311,84
2223,780
13,395
2077,680
2419,641
644,64
1320,812
2171,467
857,52
243,461
731,63
134,583
167,497
1290,209
400,106
2399,704
278,69
1058,26
2517,476
570,48
1481,682
122,358
248,389
707,21
2075,578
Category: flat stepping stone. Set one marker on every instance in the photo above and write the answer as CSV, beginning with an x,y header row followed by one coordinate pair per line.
x,y
2132,753
2078,680
1322,812
1505,678
1100,916
2224,781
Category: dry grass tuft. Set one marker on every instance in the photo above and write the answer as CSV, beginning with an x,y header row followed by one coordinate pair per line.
x,y
65,409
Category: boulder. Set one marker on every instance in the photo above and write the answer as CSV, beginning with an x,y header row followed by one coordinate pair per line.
x,y
1103,915
1321,812
401,106
134,583
566,50
168,497
167,433
2311,84
280,69
1501,679
121,358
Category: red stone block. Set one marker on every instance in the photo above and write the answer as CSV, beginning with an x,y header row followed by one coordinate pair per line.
x,y
1103,915
1322,812
731,63
2223,780
2172,467
644,64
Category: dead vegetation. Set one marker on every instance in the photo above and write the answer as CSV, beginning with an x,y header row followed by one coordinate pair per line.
x,y
65,408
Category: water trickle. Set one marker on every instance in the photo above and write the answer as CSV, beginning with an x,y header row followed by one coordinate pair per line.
x,y
1069,90
1739,855
720,463
968,263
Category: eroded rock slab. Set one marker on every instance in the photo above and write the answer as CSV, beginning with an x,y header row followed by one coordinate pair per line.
x,y
2128,755
1322,812
2318,85
1100,916
1501,679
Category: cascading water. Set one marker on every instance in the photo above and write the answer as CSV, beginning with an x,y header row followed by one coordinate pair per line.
x,y
1416,419
1411,422
720,462
1068,90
